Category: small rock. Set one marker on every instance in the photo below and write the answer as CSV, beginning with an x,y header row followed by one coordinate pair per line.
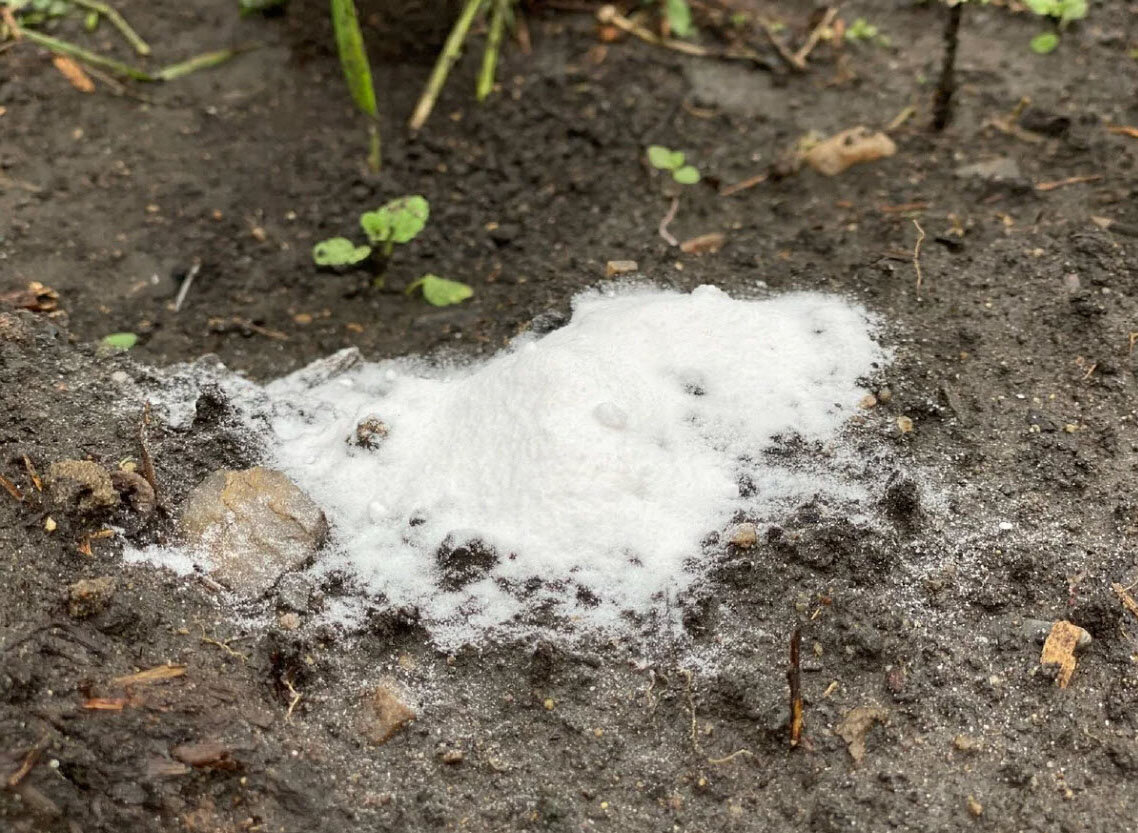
x,y
89,596
386,714
81,485
452,756
975,807
289,621
254,526
904,424
744,535
137,490
294,592
967,744
868,402
620,267
371,433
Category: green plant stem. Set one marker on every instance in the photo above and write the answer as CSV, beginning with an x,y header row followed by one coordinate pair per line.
x,y
62,47
119,22
388,247
451,51
374,156
493,47
206,60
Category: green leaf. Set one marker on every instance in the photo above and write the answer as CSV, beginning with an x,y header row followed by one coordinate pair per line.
x,y
1044,42
678,15
1044,8
399,221
687,175
338,251
353,56
120,341
1071,10
440,292
664,158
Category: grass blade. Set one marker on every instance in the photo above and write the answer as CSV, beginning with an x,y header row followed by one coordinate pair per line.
x,y
357,71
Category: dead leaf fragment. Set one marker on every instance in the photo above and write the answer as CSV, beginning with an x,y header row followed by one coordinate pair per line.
x,y
205,755
105,704
856,725
850,147
704,244
74,73
35,297
1059,649
157,674
1126,599
386,713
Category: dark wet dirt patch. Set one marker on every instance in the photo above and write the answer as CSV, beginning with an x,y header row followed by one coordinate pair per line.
x,y
1014,365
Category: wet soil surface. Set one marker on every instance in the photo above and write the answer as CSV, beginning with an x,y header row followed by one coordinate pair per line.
x,y
1009,505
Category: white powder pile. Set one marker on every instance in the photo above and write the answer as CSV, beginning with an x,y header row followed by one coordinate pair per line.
x,y
578,471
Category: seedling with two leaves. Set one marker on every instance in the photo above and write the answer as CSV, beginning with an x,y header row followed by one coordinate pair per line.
x,y
396,222
673,161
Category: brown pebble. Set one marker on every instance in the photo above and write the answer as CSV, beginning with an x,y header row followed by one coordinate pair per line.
x,y
387,713
89,596
453,756
744,535
620,267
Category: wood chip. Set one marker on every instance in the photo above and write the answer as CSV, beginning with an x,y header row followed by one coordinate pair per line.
x,y
74,73
1059,650
1124,130
850,147
704,244
158,674
106,704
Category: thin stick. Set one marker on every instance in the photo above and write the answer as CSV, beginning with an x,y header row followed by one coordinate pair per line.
x,y
119,22
493,47
816,35
451,51
744,184
731,757
608,15
671,215
187,282
942,101
917,254
62,47
144,449
792,60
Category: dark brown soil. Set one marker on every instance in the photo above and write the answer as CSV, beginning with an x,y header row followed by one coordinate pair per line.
x,y
1014,362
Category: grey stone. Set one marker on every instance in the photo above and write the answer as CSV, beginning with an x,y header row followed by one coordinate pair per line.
x,y
1001,170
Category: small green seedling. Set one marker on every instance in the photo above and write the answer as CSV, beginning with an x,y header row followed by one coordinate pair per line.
x,y
666,159
861,30
120,341
1061,11
440,292
677,14
399,221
